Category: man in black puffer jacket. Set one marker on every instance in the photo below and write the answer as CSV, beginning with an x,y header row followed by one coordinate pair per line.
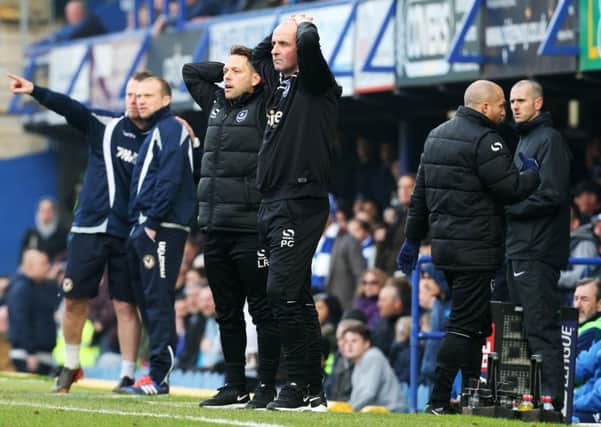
x,y
538,234
228,204
465,177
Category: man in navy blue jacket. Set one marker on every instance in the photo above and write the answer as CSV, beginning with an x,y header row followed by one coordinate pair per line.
x,y
162,205
32,300
101,223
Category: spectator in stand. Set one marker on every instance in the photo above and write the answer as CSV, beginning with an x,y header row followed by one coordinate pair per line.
x,y
374,179
194,324
338,381
337,262
32,301
583,244
434,284
391,308
48,235
181,311
361,231
81,23
373,381
328,313
587,300
372,282
391,237
592,159
211,356
586,197
587,394
207,8
401,353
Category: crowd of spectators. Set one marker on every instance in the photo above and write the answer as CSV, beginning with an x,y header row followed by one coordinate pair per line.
x,y
82,22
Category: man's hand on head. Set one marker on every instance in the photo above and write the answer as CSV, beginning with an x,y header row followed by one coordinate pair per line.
x,y
301,17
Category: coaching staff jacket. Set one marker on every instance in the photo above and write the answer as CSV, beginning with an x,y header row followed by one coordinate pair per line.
x,y
465,176
227,196
295,160
538,228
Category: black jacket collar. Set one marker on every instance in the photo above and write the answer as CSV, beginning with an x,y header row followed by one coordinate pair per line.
x,y
475,116
246,97
543,119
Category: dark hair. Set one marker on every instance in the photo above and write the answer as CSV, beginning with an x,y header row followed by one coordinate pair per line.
x,y
142,75
585,187
596,281
359,329
241,50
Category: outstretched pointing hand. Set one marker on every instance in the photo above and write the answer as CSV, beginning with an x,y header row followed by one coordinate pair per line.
x,y
19,84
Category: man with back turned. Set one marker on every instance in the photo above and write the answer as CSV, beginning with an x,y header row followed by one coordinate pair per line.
x,y
465,176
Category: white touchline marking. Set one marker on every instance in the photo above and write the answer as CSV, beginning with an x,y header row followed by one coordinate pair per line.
x,y
138,414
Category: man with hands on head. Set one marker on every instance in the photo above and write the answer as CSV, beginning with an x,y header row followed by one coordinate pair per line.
x,y
101,224
293,175
236,264
538,233
465,176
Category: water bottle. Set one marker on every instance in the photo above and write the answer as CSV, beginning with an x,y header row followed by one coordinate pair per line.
x,y
547,403
526,404
474,399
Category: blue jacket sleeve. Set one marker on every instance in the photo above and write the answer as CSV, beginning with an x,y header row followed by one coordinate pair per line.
x,y
173,159
586,362
591,401
76,114
20,317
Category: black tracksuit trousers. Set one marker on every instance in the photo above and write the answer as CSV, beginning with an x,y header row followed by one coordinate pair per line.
x,y
237,271
469,325
291,230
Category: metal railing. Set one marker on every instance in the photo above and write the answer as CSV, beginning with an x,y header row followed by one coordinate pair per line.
x,y
417,335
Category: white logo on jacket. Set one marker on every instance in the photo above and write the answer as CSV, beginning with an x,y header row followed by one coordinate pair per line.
x,y
274,117
161,251
262,261
287,238
241,116
126,155
496,146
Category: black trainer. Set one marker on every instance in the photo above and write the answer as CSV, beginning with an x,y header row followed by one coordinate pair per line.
x,y
439,410
290,398
65,379
123,382
317,402
227,397
264,394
